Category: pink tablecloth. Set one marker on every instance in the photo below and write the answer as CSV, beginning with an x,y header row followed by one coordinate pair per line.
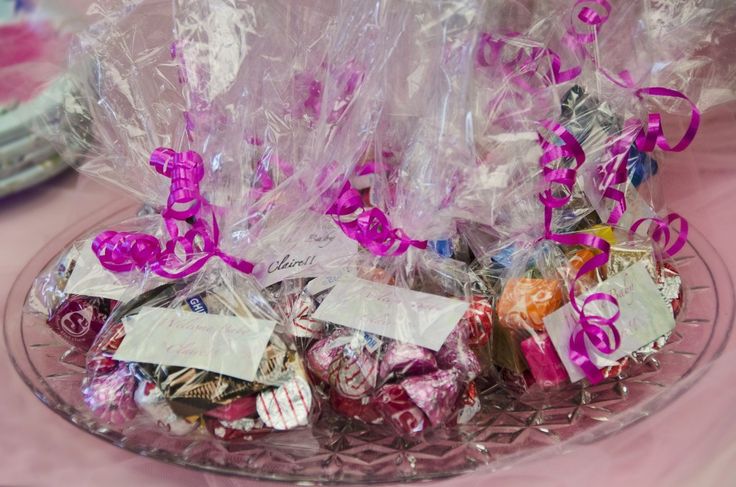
x,y
690,442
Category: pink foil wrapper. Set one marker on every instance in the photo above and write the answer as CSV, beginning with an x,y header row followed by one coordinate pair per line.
x,y
237,409
399,411
406,359
322,354
355,374
111,397
457,354
435,393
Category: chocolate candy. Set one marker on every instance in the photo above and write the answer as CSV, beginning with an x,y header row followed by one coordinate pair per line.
x,y
78,320
479,320
236,409
151,400
670,286
456,354
111,397
323,353
434,393
470,405
300,322
544,363
286,406
625,254
406,359
238,429
526,301
193,392
363,409
355,373
399,411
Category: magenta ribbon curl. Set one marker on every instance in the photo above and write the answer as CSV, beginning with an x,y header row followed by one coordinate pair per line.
x,y
371,228
182,254
600,330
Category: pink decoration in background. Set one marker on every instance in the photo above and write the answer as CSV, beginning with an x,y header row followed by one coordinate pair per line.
x,y
31,54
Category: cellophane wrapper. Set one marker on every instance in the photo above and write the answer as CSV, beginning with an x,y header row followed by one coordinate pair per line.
x,y
275,101
401,336
520,92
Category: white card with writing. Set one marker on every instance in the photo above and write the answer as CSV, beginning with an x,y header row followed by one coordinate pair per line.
x,y
405,315
229,345
323,283
89,278
645,316
311,253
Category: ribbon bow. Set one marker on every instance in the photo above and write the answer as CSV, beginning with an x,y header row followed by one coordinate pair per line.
x,y
182,254
370,228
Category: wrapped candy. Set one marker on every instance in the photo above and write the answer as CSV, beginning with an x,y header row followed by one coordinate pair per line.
x,y
238,166
406,329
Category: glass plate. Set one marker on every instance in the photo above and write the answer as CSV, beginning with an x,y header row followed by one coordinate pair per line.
x,y
507,428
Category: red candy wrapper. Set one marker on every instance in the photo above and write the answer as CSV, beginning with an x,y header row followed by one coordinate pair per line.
x,y
78,320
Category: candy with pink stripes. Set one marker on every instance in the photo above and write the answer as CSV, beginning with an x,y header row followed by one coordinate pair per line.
x,y
287,406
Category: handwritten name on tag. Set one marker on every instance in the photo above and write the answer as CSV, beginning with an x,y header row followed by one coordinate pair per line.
x,y
313,253
645,316
402,314
229,345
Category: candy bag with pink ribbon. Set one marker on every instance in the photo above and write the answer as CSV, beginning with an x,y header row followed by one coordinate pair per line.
x,y
581,286
235,135
399,336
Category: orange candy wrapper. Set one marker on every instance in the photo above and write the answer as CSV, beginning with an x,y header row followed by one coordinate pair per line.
x,y
526,301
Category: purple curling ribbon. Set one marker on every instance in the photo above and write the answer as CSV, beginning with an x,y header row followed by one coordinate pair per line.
x,y
662,233
600,330
371,228
182,254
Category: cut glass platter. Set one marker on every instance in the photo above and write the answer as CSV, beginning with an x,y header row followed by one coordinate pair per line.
x,y
508,427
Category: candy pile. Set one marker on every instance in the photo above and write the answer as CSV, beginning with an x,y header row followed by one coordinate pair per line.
x,y
375,218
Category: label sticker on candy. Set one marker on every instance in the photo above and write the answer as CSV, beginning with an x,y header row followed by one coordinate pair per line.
x,y
229,345
402,314
644,318
89,278
309,254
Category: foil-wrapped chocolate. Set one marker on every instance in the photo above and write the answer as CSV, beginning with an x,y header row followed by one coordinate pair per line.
x,y
470,405
287,406
111,396
435,393
300,322
234,430
456,354
78,320
399,411
479,320
404,359
324,352
355,373
363,408
669,283
625,254
151,401
192,392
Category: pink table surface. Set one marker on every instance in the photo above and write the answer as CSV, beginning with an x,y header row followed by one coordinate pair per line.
x,y
690,442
